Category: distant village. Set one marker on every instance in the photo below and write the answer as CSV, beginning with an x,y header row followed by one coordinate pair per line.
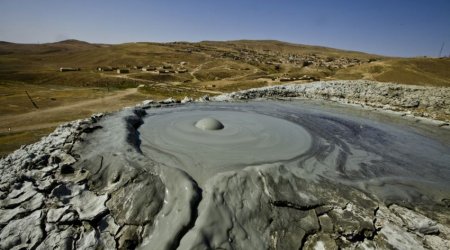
x,y
312,59
269,57
162,69
252,57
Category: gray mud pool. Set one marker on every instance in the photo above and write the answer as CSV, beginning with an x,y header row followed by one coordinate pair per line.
x,y
376,153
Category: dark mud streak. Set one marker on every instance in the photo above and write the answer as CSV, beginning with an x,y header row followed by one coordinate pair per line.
x,y
283,203
133,122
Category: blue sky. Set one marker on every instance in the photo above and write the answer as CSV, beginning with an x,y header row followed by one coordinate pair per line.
x,y
387,27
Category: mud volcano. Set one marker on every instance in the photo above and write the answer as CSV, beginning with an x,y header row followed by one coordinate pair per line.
x,y
263,174
244,175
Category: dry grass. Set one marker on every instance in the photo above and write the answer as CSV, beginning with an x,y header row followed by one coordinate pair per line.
x,y
237,86
13,99
164,78
417,71
10,141
177,92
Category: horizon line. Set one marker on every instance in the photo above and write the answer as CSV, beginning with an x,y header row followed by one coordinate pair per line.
x,y
231,40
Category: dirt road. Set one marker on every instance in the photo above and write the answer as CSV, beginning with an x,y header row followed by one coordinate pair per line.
x,y
173,87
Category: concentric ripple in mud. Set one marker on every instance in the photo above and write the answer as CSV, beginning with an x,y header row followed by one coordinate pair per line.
x,y
246,139
313,143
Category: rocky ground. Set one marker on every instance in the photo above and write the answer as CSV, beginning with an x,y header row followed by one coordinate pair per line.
x,y
431,102
60,193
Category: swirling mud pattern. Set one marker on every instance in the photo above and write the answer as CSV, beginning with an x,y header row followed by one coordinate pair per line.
x,y
393,162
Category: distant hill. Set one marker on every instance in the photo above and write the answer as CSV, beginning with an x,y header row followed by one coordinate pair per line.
x,y
232,61
71,41
285,47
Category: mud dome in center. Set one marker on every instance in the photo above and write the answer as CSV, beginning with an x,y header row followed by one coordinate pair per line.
x,y
246,139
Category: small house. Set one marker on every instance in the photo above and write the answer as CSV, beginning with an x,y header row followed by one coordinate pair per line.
x,y
65,69
105,68
149,68
285,79
123,71
166,71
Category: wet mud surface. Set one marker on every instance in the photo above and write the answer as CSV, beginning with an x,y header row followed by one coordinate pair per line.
x,y
395,161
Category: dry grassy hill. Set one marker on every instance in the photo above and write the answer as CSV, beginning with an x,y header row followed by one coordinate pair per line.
x,y
192,69
243,60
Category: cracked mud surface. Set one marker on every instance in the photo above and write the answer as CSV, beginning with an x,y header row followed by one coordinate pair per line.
x,y
279,175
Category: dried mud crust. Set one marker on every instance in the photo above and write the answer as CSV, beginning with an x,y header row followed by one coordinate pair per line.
x,y
65,192
421,101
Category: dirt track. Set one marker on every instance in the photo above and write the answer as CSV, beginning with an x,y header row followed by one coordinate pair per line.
x,y
173,87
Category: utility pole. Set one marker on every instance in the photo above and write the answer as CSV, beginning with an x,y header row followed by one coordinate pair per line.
x,y
442,48
31,100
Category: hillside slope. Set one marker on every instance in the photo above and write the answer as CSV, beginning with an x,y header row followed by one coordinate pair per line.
x,y
235,61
